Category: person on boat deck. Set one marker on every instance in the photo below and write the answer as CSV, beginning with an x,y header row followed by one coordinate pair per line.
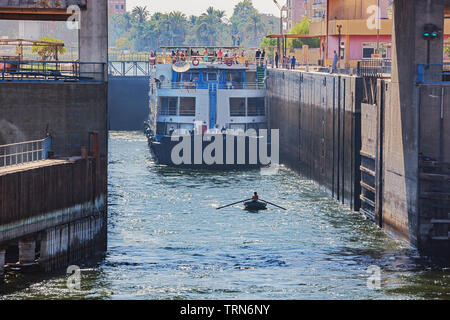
x,y
220,55
255,196
171,131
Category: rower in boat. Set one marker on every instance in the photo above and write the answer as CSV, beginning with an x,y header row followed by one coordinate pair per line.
x,y
255,196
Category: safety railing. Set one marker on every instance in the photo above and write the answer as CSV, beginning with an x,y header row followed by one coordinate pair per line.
x,y
435,73
205,85
51,71
375,68
28,151
129,68
210,59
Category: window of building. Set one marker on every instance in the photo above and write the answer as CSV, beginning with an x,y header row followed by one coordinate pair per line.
x,y
367,53
369,48
168,106
187,106
256,107
237,107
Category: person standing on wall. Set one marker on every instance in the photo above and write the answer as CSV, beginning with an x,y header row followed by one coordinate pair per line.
x,y
335,61
257,56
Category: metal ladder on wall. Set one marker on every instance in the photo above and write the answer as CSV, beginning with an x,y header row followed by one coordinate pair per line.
x,y
260,76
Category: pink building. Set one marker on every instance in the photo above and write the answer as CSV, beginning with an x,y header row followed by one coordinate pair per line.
x,y
117,6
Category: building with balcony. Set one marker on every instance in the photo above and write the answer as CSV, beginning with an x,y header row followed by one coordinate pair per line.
x,y
117,6
353,26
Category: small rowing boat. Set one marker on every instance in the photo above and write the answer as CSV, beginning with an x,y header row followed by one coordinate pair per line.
x,y
255,205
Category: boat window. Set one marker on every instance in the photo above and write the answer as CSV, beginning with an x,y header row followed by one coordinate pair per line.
x,y
212,76
250,77
185,77
195,76
256,107
233,76
168,106
237,107
187,106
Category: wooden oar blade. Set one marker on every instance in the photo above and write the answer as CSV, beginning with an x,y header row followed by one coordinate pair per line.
x,y
275,205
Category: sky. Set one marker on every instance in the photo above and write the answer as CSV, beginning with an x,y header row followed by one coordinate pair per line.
x,y
197,7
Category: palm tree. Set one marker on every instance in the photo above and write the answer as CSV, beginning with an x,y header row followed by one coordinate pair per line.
x,y
209,24
254,25
178,24
141,13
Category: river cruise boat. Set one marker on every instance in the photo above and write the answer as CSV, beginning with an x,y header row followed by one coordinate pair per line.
x,y
207,108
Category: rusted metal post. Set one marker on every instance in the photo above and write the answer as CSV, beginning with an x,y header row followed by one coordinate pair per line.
x,y
95,151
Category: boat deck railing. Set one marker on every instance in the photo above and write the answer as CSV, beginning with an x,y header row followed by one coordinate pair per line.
x,y
211,59
206,85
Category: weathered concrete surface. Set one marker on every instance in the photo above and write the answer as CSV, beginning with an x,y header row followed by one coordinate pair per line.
x,y
318,115
27,250
34,200
401,121
128,103
69,111
2,261
93,36
72,242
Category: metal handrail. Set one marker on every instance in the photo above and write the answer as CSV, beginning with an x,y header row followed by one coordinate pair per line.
x,y
377,68
22,152
51,71
205,85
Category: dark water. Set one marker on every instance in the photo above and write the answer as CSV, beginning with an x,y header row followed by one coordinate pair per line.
x,y
167,241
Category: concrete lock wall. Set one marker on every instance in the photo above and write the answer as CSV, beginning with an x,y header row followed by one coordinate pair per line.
x,y
62,205
318,116
128,102
67,110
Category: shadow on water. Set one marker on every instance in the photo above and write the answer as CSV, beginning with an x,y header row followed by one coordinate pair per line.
x,y
19,285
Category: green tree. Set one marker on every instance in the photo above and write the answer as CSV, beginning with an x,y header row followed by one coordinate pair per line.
x,y
254,26
124,44
240,19
141,13
208,26
46,52
302,28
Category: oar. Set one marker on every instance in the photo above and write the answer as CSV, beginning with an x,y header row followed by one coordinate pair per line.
x,y
232,204
273,204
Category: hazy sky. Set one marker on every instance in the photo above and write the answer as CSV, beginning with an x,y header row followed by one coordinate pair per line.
x,y
197,7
